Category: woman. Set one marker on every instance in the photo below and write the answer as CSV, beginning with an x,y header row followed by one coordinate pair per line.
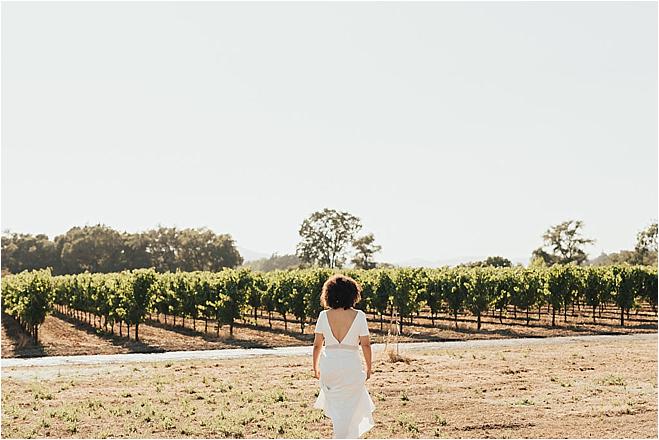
x,y
343,395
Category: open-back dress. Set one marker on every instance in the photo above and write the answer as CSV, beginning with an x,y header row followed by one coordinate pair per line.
x,y
343,394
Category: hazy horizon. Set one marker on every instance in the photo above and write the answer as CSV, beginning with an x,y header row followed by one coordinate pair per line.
x,y
450,129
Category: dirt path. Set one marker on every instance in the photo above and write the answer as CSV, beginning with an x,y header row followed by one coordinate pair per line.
x,y
11,367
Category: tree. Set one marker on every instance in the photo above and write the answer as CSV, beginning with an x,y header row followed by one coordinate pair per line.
x,y
365,247
566,244
28,252
646,246
190,249
497,262
202,249
325,236
97,248
490,262
162,247
136,255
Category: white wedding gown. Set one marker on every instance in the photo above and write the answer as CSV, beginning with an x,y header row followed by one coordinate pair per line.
x,y
343,394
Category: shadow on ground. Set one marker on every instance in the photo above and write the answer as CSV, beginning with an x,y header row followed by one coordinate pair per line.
x,y
131,345
23,343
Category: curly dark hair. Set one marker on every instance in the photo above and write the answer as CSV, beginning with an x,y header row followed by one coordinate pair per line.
x,y
340,291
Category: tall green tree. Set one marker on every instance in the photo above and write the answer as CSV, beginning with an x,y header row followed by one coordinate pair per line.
x,y
97,248
646,246
162,247
202,249
365,248
566,244
326,236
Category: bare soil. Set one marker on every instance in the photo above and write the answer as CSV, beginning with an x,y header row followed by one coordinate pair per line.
x,y
570,389
63,335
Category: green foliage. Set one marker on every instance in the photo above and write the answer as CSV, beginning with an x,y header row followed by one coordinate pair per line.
x,y
566,244
646,246
490,261
325,237
456,292
559,287
365,249
101,249
226,296
21,252
28,297
649,286
628,282
408,286
482,286
596,289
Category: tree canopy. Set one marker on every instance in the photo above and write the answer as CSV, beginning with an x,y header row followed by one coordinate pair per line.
x,y
489,262
326,236
566,244
646,245
365,248
102,249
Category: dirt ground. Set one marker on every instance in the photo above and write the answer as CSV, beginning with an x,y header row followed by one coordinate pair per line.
x,y
602,389
62,335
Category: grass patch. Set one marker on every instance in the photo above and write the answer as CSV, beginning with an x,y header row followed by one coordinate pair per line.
x,y
612,379
525,402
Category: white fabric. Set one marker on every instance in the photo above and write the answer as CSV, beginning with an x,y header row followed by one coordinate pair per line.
x,y
343,394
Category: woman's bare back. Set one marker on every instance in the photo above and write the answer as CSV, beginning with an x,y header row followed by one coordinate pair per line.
x,y
340,321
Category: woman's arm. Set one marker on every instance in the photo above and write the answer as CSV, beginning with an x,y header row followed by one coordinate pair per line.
x,y
317,346
365,342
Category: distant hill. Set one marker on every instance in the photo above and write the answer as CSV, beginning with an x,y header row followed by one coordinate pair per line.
x,y
274,262
250,255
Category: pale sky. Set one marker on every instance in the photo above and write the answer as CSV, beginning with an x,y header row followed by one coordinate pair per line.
x,y
450,129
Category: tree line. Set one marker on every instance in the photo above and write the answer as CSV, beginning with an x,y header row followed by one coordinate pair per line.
x,y
124,299
102,249
327,239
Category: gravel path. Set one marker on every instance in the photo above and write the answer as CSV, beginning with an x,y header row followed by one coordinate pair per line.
x,y
294,351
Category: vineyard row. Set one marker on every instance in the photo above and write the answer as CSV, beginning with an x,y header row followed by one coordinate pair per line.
x,y
128,297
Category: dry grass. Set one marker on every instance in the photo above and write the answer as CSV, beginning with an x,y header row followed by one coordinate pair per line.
x,y
394,356
605,389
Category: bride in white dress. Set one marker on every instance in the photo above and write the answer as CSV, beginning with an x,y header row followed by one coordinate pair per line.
x,y
343,394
